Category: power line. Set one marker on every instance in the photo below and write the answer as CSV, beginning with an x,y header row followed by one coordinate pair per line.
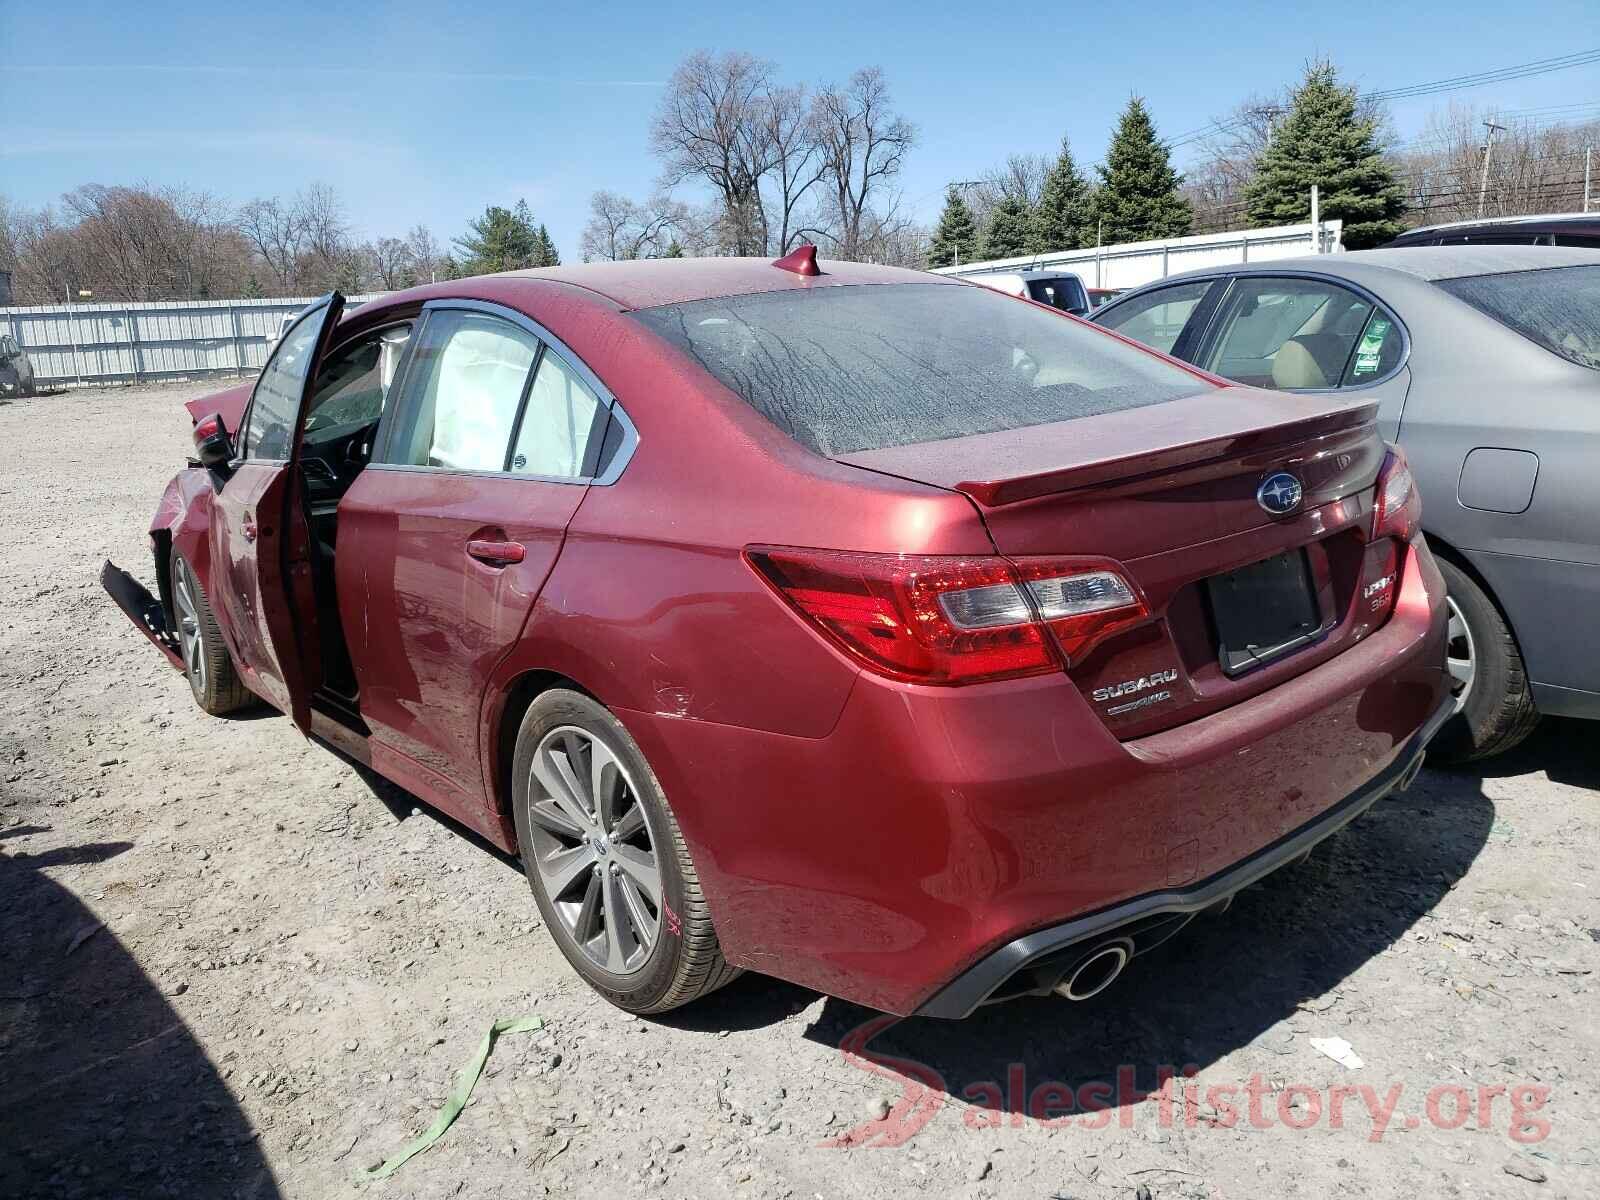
x,y
1542,66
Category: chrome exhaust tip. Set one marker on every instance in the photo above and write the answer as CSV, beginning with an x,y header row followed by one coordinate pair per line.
x,y
1097,971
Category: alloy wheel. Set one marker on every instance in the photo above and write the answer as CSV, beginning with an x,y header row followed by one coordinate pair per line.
x,y
593,850
185,595
1460,654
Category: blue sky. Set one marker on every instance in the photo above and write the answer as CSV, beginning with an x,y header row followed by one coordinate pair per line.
x,y
428,112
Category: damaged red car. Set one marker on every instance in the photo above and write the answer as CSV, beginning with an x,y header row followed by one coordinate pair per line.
x,y
916,643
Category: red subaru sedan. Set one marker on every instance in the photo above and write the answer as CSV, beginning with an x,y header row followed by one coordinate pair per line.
x,y
913,642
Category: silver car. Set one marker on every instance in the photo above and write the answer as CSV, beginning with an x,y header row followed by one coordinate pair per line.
x,y
1484,362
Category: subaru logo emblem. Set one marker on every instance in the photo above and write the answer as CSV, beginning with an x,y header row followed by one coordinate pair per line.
x,y
1280,494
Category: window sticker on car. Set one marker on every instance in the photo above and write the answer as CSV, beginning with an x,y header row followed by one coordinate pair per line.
x,y
1371,347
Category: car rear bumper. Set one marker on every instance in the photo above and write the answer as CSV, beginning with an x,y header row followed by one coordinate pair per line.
x,y
934,827
1034,963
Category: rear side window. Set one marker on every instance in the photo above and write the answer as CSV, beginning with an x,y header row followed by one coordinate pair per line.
x,y
1157,318
464,390
1293,334
1558,308
554,436
844,369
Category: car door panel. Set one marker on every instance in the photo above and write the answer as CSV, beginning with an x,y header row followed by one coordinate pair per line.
x,y
260,540
426,621
445,544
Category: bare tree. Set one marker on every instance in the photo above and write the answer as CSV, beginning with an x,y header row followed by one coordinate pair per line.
x,y
710,126
1020,177
863,145
47,259
1532,168
391,263
798,163
278,235
426,257
327,246
620,228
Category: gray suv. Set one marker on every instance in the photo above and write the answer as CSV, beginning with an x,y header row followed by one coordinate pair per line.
x,y
1484,363
16,372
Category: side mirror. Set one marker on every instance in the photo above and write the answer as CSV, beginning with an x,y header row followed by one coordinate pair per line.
x,y
213,446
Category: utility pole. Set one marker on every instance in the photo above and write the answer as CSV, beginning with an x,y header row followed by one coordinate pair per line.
x,y
1483,183
1316,220
1588,172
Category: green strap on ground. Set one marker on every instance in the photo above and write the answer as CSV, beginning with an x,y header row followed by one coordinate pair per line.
x,y
466,1080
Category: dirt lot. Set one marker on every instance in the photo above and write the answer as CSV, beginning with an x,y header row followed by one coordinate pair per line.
x,y
231,965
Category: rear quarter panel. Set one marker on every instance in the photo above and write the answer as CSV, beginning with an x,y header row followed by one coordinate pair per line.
x,y
1479,385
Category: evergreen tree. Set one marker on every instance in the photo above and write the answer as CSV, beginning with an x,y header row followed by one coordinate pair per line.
x,y
1062,221
674,250
956,238
1324,141
1010,229
546,255
1138,199
500,240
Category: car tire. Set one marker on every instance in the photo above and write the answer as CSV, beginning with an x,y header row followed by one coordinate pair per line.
x,y
207,665
1496,709
585,859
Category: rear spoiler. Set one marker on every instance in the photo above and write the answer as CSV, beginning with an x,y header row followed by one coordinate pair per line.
x,y
1134,468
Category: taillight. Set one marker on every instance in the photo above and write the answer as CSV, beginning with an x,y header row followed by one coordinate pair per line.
x,y
952,620
1398,509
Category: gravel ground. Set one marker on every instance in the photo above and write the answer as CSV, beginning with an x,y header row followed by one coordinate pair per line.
x,y
230,964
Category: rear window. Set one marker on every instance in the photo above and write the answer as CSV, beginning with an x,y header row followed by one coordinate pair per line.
x,y
845,369
1559,307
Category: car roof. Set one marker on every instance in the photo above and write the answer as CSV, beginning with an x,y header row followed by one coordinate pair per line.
x,y
1554,219
647,283
1424,263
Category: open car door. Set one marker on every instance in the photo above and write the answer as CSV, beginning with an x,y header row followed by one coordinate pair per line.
x,y
261,552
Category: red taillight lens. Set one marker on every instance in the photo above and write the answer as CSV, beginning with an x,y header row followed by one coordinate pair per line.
x,y
1398,509
950,620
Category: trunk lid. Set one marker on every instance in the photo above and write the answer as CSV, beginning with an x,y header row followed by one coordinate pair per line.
x,y
1169,492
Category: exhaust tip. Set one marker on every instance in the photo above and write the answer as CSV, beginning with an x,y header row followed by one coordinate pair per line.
x,y
1096,972
1409,777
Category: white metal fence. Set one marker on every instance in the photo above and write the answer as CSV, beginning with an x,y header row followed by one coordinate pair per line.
x,y
91,345
1134,263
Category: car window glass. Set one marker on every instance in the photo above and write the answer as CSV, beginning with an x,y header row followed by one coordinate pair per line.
x,y
1065,294
1287,333
553,438
1557,308
845,369
354,384
277,395
467,383
1157,318
1377,353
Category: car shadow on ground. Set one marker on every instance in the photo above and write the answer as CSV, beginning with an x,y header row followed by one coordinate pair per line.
x,y
106,1091
1224,981
1561,747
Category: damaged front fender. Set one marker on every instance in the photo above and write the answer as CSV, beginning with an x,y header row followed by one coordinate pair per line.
x,y
182,523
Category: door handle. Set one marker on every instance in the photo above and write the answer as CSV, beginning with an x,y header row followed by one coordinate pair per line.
x,y
496,554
